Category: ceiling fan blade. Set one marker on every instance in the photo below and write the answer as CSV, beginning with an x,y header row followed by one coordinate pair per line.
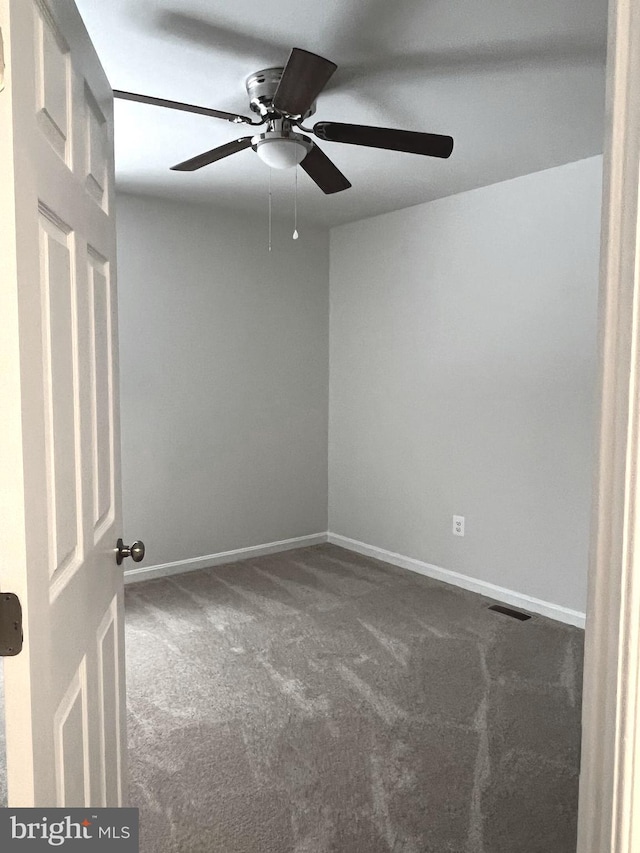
x,y
429,144
325,173
215,154
178,105
305,75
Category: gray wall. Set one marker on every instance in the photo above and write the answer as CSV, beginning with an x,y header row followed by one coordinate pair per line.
x,y
224,379
462,380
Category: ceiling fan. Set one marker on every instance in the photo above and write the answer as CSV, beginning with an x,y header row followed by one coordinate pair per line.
x,y
283,98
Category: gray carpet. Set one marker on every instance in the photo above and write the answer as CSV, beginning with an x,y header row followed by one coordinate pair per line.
x,y
320,702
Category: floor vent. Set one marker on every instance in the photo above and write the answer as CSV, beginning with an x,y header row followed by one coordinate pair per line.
x,y
515,614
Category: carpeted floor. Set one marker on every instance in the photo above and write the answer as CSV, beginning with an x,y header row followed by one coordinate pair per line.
x,y
317,701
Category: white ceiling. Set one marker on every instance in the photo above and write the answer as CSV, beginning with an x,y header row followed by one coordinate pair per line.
x,y
518,84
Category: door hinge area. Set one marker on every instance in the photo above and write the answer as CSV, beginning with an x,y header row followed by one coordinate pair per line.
x,y
10,625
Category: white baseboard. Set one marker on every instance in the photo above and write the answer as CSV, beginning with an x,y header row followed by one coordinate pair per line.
x,y
499,593
145,573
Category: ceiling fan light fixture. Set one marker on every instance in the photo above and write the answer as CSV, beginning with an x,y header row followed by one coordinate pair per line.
x,y
281,152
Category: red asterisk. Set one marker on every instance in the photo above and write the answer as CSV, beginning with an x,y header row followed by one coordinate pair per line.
x,y
86,822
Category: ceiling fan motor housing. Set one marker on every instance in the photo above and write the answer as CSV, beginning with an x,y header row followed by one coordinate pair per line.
x,y
261,88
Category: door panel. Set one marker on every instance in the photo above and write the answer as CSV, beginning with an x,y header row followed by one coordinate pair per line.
x,y
59,453
109,688
71,733
101,391
60,395
53,82
95,130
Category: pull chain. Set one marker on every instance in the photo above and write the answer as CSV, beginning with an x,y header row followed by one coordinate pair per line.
x,y
269,209
295,207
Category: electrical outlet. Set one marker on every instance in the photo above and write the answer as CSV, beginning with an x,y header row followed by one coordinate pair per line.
x,y
458,525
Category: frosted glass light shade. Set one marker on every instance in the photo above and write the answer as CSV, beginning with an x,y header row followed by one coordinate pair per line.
x,y
281,153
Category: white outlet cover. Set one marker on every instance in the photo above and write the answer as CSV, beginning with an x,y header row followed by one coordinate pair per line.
x,y
458,525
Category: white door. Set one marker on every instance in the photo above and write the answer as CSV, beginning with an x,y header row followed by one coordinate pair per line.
x,y
59,441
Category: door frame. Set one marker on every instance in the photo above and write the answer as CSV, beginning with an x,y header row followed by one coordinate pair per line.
x,y
609,810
